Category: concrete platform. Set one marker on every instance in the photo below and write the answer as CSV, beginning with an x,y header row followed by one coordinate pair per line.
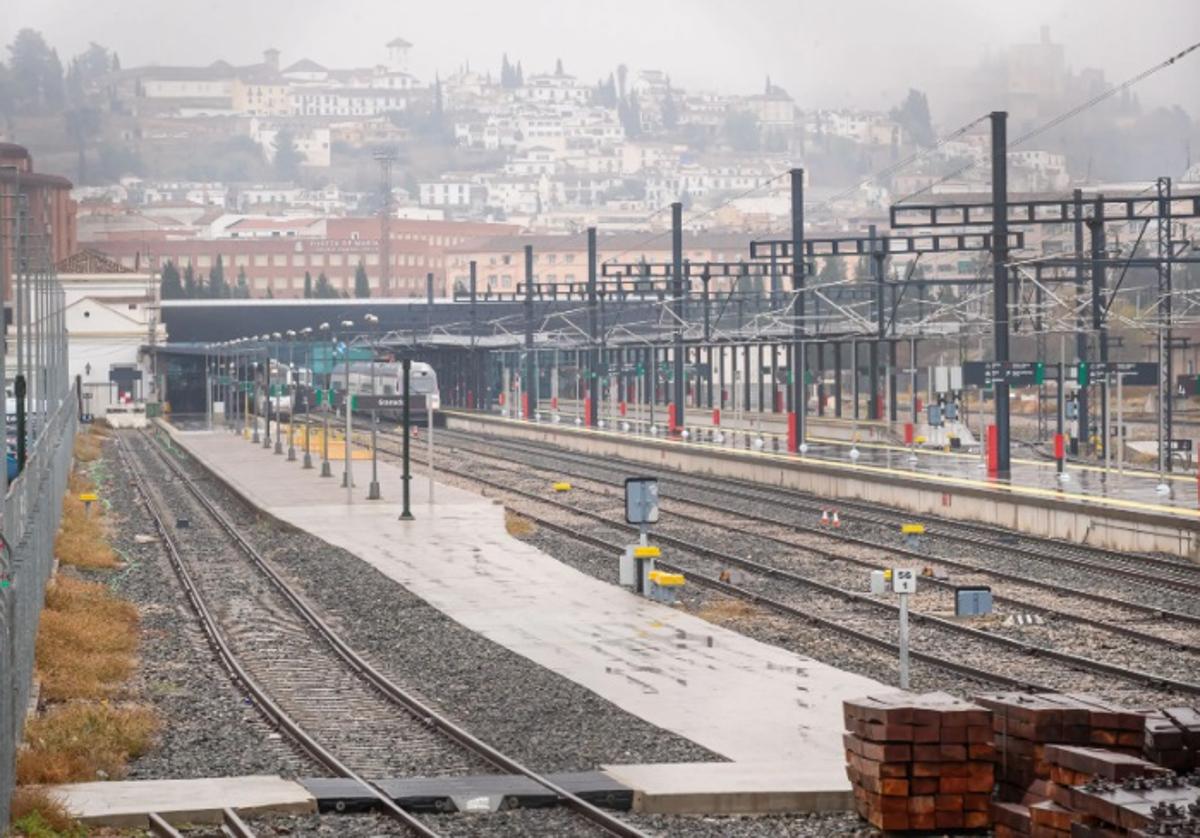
x,y
731,788
750,702
1111,512
481,793
126,803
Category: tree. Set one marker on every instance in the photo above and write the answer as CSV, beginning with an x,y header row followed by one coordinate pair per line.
x,y
82,124
740,131
558,67
622,74
170,288
34,65
287,156
507,74
362,285
670,110
217,287
520,76
323,290
270,293
308,288
92,65
913,116
191,288
242,291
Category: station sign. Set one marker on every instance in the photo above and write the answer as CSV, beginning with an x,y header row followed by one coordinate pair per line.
x,y
377,402
641,500
904,581
1016,373
1133,373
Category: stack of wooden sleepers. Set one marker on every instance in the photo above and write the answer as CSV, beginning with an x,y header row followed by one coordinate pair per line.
x,y
920,762
1173,738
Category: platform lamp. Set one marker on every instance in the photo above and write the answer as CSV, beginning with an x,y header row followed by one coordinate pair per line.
x,y
326,471
277,337
373,490
347,473
306,335
291,336
265,339
252,364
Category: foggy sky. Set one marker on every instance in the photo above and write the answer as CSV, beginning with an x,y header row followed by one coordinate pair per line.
x,y
858,53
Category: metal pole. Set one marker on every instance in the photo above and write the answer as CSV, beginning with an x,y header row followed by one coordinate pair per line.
x,y
592,374
903,641
529,377
1081,332
1000,283
406,512
1165,348
874,346
373,488
267,396
677,292
1096,229
347,475
799,435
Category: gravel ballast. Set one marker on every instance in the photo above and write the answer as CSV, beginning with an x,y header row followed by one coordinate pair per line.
x,y
209,727
517,706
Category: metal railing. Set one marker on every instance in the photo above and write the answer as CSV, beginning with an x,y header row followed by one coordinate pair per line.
x,y
32,502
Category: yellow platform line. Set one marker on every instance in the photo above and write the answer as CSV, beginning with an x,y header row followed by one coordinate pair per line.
x,y
867,468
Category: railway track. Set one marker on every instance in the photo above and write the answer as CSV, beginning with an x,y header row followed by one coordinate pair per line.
x,y
1180,624
1182,576
866,617
346,715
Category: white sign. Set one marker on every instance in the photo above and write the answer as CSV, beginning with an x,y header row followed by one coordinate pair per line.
x,y
904,581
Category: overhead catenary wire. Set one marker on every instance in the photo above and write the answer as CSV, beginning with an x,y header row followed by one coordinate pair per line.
x,y
1054,122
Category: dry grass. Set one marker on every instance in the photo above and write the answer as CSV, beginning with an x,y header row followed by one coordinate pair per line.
x,y
518,526
86,641
38,812
87,447
729,611
81,535
84,741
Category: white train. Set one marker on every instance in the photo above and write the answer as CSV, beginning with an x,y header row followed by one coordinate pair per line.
x,y
387,379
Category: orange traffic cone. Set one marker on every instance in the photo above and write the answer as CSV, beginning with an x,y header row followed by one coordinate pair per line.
x,y
825,517
837,522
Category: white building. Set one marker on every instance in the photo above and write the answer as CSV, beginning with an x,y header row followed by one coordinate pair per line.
x,y
111,312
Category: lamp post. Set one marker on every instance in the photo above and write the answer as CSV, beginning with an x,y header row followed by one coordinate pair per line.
x,y
326,470
373,490
306,334
291,336
347,473
252,393
278,424
266,341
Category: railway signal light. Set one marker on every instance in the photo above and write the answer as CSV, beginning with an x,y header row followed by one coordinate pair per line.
x,y
1084,378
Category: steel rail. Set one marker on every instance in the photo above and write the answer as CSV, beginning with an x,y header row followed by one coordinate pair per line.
x,y
1078,661
944,527
216,637
431,717
1061,590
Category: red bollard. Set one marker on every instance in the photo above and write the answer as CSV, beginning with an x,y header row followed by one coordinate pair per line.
x,y
717,416
554,402
671,426
502,398
920,405
908,433
587,410
993,449
470,400
793,434
622,408
1060,450
525,405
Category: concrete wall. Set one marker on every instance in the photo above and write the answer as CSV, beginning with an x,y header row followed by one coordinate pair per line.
x,y
1098,526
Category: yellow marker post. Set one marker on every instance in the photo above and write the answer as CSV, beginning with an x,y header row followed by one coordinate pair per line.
x,y
562,487
88,499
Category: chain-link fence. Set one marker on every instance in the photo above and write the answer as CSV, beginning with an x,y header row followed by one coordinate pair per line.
x,y
33,365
